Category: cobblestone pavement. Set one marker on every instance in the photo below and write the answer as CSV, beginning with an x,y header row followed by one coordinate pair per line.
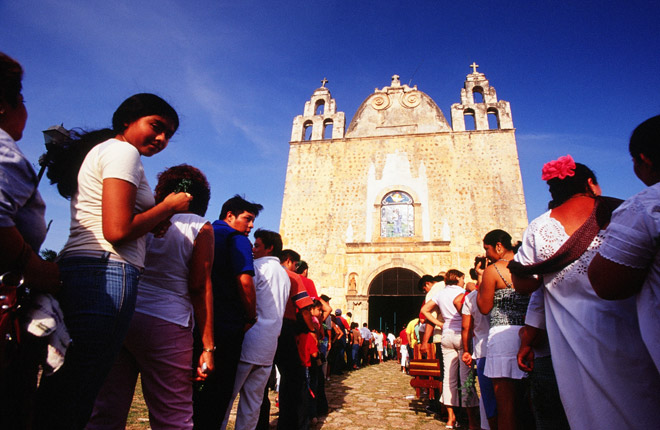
x,y
378,397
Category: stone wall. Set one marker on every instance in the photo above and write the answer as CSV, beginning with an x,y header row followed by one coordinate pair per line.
x,y
463,184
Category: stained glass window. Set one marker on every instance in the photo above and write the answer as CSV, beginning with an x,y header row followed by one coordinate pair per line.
x,y
397,215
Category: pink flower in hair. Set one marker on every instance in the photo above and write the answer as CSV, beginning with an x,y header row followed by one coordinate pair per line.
x,y
559,168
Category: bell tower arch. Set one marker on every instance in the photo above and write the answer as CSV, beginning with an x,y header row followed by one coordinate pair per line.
x,y
479,99
320,114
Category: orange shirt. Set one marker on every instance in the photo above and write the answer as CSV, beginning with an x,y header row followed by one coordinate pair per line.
x,y
298,298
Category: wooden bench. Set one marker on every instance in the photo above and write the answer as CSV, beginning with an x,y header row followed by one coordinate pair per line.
x,y
426,372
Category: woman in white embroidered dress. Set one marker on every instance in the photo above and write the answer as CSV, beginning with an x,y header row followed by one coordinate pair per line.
x,y
628,263
605,375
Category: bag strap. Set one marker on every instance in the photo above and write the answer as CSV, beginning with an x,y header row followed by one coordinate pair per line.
x,y
576,245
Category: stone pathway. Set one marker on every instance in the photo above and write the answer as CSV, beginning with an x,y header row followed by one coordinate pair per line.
x,y
378,397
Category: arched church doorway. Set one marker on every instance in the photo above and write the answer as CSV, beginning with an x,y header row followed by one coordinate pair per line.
x,y
394,299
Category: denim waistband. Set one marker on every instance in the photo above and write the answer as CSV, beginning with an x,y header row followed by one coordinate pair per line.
x,y
101,255
95,257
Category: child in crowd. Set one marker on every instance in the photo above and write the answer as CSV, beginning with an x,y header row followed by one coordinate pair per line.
x,y
312,360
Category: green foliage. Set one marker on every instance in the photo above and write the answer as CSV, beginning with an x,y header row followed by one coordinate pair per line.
x,y
468,389
48,254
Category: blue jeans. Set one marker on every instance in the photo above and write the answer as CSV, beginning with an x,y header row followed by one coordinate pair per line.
x,y
354,350
486,388
98,301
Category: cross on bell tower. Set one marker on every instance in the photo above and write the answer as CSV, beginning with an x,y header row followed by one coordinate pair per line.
x,y
479,101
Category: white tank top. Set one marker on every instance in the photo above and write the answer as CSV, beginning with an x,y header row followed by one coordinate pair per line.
x,y
163,288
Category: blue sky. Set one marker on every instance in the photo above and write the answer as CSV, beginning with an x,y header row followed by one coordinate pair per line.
x,y
579,76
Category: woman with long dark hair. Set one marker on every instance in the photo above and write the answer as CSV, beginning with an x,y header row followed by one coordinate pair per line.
x,y
506,308
606,377
112,209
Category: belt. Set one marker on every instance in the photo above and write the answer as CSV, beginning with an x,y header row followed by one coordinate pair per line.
x,y
101,255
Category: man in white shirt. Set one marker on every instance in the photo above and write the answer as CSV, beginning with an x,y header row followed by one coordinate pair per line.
x,y
272,287
432,290
432,285
366,344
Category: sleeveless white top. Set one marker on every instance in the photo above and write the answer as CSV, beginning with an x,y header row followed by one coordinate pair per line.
x,y
163,288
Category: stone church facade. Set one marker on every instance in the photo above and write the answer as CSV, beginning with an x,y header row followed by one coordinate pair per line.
x,y
399,193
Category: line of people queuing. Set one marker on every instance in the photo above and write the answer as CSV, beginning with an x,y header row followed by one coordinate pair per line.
x,y
577,298
354,347
146,286
562,327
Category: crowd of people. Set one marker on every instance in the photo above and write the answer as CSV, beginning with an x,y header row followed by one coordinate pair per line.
x,y
561,329
554,319
146,286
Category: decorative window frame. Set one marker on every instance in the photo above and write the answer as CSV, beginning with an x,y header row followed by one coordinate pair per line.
x,y
417,216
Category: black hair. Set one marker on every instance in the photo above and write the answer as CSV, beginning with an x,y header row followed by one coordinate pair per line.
x,y
563,189
494,237
140,105
422,282
480,261
452,276
645,139
270,238
185,178
63,160
11,77
301,266
290,254
237,205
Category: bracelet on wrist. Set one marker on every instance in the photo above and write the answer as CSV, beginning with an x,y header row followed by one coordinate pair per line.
x,y
209,349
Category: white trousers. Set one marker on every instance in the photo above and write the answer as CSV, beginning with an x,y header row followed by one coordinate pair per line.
x,y
404,355
452,350
251,380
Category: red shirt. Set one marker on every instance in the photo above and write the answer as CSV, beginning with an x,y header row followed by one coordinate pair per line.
x,y
404,337
298,298
310,287
307,348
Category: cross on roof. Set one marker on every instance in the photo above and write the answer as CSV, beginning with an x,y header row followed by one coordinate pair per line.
x,y
323,82
474,67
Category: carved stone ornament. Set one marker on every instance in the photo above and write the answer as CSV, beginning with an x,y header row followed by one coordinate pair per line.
x,y
380,101
411,99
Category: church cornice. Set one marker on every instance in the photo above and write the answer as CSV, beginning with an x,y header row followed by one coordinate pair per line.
x,y
398,246
405,136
